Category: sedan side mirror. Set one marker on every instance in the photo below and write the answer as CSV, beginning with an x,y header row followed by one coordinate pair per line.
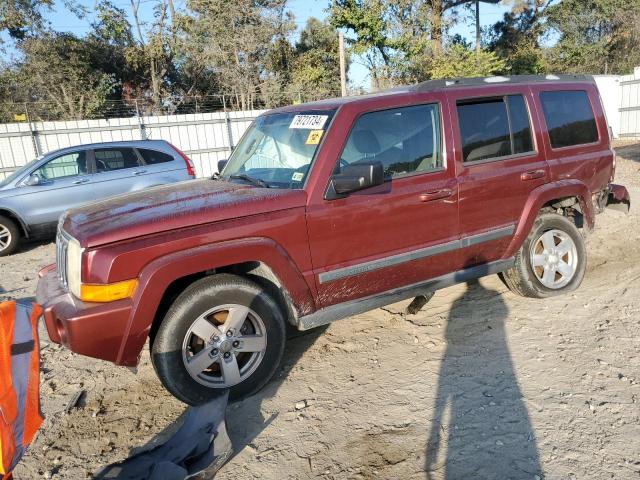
x,y
355,177
221,165
33,180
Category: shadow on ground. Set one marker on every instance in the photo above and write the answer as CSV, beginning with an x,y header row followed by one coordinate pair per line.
x,y
480,426
198,440
631,152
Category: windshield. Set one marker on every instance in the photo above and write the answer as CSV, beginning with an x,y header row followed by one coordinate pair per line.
x,y
19,172
278,149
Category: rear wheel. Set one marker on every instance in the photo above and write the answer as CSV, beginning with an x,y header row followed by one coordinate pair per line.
x,y
9,236
222,332
551,261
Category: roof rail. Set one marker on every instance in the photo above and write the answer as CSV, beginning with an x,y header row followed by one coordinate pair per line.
x,y
474,81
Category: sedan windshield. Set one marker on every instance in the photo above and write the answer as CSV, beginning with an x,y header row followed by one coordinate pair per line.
x,y
277,150
19,172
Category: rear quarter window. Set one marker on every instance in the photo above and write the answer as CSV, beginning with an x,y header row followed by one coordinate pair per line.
x,y
153,157
569,118
108,159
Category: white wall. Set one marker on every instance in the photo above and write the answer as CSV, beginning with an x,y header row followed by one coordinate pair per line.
x,y
609,87
204,137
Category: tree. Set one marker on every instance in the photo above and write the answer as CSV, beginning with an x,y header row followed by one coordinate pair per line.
x,y
515,39
235,43
460,61
595,36
67,73
316,61
18,17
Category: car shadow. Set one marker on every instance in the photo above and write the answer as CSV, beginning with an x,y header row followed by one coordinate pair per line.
x,y
480,426
175,446
27,245
245,420
630,152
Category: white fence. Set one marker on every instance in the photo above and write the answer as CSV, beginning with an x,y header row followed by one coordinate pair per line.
x,y
209,137
630,104
204,137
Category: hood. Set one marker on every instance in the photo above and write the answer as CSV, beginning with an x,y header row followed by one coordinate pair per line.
x,y
174,206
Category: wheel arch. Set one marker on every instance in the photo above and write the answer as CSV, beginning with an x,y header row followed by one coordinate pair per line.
x,y
24,230
165,278
561,194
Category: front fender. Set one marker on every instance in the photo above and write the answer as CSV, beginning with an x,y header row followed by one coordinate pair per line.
x,y
156,277
543,195
12,213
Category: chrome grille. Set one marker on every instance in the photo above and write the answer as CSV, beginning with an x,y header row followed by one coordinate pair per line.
x,y
62,241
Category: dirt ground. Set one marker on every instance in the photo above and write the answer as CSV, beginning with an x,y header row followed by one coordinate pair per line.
x,y
479,384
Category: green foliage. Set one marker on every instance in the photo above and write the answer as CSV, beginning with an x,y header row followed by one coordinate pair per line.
x,y
18,17
515,40
459,61
316,64
71,74
248,49
596,36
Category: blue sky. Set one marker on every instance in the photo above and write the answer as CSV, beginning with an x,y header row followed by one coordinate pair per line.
x,y
63,20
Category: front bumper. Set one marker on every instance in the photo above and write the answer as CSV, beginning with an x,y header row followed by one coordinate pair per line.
x,y
93,329
618,198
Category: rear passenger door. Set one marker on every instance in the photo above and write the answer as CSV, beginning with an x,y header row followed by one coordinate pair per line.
x,y
500,161
117,171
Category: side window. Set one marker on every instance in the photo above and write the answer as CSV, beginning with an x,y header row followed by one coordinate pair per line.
x,y
108,159
67,165
152,157
569,118
405,140
494,127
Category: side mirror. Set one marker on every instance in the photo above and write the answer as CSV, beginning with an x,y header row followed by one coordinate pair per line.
x,y
355,177
33,180
221,165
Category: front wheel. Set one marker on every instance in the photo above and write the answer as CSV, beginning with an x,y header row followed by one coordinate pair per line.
x,y
551,261
222,332
9,236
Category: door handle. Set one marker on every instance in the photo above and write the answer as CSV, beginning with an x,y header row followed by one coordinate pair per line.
x,y
532,175
80,180
436,195
139,172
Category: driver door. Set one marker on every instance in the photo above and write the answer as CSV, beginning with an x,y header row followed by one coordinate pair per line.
x,y
65,183
396,234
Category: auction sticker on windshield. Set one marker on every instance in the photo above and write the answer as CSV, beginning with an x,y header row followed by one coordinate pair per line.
x,y
314,137
309,122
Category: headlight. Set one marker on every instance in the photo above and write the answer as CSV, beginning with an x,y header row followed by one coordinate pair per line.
x,y
74,263
107,292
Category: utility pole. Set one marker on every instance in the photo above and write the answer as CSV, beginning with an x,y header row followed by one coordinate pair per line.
x,y
477,26
343,73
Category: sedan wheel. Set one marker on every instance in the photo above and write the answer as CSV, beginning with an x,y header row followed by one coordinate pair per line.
x,y
5,237
9,236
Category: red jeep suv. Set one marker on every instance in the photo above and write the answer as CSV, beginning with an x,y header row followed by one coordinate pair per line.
x,y
329,209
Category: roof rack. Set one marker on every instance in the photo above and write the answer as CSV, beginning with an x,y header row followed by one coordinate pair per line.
x,y
454,82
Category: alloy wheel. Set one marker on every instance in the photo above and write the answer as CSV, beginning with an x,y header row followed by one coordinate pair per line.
x,y
554,259
224,346
5,237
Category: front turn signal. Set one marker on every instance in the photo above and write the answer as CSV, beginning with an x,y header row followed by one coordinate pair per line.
x,y
108,292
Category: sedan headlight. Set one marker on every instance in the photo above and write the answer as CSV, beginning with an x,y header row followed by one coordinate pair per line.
x,y
107,292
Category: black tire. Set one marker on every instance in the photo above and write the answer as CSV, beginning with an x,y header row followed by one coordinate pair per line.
x,y
8,225
521,278
196,300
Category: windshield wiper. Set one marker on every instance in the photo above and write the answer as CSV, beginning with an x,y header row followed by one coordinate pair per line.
x,y
254,181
